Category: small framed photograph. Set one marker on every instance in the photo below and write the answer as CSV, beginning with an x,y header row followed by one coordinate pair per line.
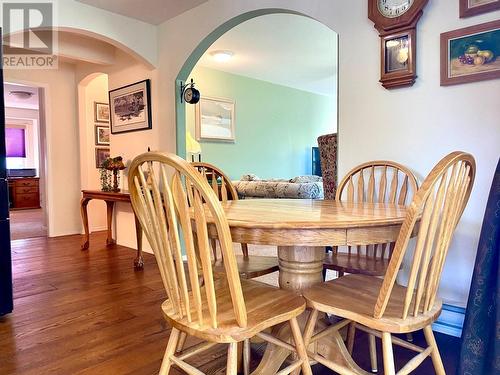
x,y
131,107
102,133
215,119
470,8
470,54
101,154
101,112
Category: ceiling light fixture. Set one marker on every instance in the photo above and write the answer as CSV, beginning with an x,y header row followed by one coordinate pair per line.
x,y
23,95
222,55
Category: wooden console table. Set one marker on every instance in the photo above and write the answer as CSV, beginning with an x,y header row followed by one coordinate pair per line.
x,y
110,198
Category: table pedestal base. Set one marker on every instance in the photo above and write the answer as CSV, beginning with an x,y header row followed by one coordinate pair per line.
x,y
301,267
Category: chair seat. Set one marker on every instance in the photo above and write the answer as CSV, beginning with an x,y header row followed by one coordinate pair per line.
x,y
354,297
251,267
356,263
266,307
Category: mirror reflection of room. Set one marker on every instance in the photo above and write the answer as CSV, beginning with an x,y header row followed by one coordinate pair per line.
x,y
22,136
268,90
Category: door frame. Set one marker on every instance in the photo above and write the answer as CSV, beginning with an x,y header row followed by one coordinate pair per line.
x,y
43,135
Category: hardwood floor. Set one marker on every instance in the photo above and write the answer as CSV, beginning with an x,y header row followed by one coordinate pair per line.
x,y
91,313
27,224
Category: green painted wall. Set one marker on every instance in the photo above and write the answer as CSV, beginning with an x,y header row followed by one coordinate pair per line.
x,y
275,126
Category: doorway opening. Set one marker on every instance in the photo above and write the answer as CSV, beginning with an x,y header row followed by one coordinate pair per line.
x,y
268,91
205,45
25,140
268,83
95,139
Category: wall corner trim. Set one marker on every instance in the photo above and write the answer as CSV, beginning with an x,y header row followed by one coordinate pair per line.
x,y
451,321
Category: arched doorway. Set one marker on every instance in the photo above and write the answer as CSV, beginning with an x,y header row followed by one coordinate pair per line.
x,y
91,54
197,54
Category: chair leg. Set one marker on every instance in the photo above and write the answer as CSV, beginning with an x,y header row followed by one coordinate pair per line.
x,y
182,341
213,242
171,346
232,359
388,354
310,325
351,333
435,356
246,357
300,347
244,250
373,352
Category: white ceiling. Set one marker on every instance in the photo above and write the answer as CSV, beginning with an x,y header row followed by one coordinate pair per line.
x,y
12,101
285,49
150,11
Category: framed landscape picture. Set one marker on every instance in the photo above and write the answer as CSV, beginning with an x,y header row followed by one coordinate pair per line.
x,y
470,54
130,107
470,8
101,112
101,154
215,119
101,135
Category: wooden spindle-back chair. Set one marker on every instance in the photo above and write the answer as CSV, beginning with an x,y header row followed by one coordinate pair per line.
x,y
172,202
381,306
378,181
249,267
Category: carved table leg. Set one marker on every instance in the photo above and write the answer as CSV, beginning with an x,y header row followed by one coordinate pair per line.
x,y
85,220
138,261
301,267
109,206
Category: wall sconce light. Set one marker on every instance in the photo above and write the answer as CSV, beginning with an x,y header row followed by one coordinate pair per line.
x,y
189,93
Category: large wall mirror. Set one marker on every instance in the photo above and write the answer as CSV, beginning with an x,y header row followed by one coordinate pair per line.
x,y
268,90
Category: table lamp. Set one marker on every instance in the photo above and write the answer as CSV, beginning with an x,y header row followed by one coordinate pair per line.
x,y
115,165
193,147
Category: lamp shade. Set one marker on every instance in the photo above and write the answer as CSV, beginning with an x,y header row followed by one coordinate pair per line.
x,y
192,146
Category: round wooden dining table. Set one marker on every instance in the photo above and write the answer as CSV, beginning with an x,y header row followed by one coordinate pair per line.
x,y
301,228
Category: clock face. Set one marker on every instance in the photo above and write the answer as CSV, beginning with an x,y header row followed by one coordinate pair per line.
x,y
188,95
393,8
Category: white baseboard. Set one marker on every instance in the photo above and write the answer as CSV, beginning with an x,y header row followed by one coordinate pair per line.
x,y
98,229
451,321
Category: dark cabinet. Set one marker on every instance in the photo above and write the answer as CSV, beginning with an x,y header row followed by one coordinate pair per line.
x,y
24,192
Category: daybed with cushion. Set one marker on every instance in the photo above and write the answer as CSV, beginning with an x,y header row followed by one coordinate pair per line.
x,y
301,187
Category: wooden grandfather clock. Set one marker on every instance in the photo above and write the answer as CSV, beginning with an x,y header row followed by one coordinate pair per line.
x,y
396,22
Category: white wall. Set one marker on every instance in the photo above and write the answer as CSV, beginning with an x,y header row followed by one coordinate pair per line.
x,y
128,145
133,36
63,168
94,91
136,36
415,126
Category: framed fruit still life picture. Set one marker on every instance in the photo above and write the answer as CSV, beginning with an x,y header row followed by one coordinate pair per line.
x,y
470,54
